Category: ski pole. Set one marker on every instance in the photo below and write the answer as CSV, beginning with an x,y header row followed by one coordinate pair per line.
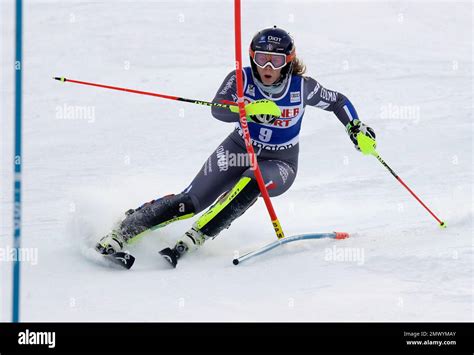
x,y
243,122
367,146
226,104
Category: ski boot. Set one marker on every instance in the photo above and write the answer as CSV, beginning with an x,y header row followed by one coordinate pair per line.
x,y
150,215
192,239
218,217
111,243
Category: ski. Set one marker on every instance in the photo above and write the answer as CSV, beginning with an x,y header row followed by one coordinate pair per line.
x,y
170,256
268,247
122,259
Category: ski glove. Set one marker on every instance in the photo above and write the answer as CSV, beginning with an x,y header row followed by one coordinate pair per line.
x,y
354,127
260,111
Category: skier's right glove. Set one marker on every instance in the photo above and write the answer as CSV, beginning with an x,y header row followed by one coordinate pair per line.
x,y
260,111
355,127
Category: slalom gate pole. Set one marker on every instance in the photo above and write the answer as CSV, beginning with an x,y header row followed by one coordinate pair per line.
x,y
286,240
367,146
17,159
243,122
169,97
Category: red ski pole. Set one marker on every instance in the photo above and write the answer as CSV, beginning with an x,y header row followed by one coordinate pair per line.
x,y
367,146
163,96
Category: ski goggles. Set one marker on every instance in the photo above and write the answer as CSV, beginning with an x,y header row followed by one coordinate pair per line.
x,y
275,60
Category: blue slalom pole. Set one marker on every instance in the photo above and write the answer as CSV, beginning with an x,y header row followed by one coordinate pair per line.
x,y
17,160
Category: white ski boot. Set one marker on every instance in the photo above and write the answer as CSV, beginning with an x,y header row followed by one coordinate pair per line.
x,y
191,240
110,244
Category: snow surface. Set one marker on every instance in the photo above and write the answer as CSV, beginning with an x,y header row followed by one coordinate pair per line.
x,y
81,174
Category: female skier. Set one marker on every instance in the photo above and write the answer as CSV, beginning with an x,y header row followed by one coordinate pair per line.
x,y
276,94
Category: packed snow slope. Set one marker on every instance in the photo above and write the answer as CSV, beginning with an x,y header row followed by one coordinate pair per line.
x,y
406,66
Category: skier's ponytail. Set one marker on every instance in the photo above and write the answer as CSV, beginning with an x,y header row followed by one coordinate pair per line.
x,y
298,66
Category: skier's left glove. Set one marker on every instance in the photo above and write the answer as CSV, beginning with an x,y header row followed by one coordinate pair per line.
x,y
260,111
355,127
